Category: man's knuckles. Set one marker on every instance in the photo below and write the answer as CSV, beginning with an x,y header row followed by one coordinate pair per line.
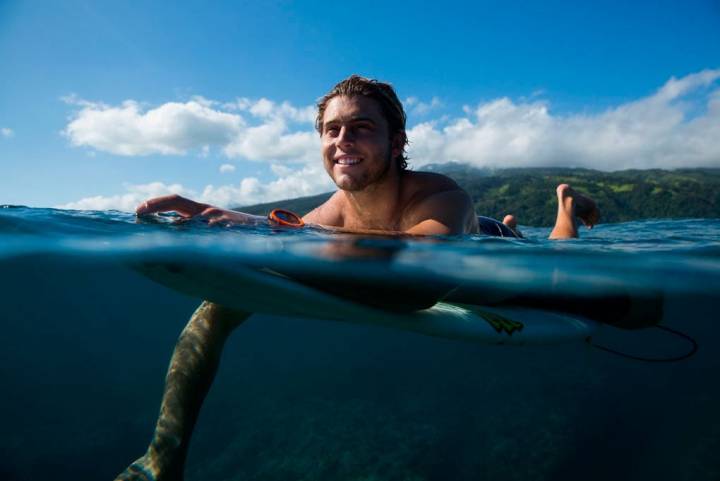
x,y
212,212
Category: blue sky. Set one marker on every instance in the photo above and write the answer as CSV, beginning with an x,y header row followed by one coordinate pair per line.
x,y
105,103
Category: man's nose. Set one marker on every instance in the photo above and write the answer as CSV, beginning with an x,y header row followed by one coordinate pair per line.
x,y
346,136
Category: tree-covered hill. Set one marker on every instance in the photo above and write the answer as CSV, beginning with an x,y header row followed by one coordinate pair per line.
x,y
300,205
529,193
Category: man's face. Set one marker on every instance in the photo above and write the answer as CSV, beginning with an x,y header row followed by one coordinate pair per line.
x,y
356,144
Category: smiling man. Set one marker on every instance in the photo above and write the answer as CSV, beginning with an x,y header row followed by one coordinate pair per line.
x,y
362,126
361,123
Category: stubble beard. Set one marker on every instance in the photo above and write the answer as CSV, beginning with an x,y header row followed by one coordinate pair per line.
x,y
369,179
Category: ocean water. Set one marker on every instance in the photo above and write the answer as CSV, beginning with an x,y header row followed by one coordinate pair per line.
x,y
86,341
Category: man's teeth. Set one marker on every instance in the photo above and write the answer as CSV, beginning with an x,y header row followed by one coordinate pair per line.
x,y
348,160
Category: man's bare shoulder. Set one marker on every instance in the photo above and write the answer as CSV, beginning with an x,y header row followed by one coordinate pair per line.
x,y
438,200
429,182
328,213
421,186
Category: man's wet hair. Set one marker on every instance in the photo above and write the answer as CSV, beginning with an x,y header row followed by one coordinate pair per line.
x,y
383,93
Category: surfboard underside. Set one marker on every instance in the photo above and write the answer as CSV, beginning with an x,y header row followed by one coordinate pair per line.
x,y
262,292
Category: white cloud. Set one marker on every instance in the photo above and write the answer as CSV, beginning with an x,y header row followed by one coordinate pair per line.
x,y
172,128
200,124
307,180
227,168
7,132
134,195
678,126
414,106
280,170
265,108
272,140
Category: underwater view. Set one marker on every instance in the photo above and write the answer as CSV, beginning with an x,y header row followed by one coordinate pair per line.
x,y
87,340
387,241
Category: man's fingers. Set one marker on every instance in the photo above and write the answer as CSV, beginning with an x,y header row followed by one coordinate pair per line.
x,y
159,204
190,209
212,212
168,203
142,208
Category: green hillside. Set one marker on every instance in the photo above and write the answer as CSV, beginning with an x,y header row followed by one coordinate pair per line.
x,y
300,205
530,193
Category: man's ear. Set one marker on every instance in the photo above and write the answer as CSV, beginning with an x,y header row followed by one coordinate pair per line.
x,y
397,143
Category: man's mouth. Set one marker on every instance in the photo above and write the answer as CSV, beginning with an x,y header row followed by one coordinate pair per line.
x,y
348,160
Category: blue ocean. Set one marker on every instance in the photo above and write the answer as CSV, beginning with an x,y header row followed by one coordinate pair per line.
x,y
86,341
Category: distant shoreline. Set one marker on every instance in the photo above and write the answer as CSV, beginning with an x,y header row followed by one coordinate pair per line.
x,y
529,192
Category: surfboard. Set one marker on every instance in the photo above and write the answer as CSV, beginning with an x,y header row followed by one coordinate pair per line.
x,y
261,290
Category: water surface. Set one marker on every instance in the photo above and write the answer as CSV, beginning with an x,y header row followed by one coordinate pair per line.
x,y
86,341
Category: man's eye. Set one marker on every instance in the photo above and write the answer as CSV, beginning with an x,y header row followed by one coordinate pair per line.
x,y
332,130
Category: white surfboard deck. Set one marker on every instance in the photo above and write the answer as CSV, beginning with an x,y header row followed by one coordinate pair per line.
x,y
266,292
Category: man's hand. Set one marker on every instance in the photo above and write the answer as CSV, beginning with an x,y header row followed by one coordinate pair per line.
x,y
171,203
189,208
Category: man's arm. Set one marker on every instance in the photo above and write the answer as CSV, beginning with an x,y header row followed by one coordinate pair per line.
x,y
446,213
190,208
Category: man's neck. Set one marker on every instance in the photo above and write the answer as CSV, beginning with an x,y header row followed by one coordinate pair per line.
x,y
377,206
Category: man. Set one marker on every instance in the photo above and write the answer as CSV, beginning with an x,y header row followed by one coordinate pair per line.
x,y
362,126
